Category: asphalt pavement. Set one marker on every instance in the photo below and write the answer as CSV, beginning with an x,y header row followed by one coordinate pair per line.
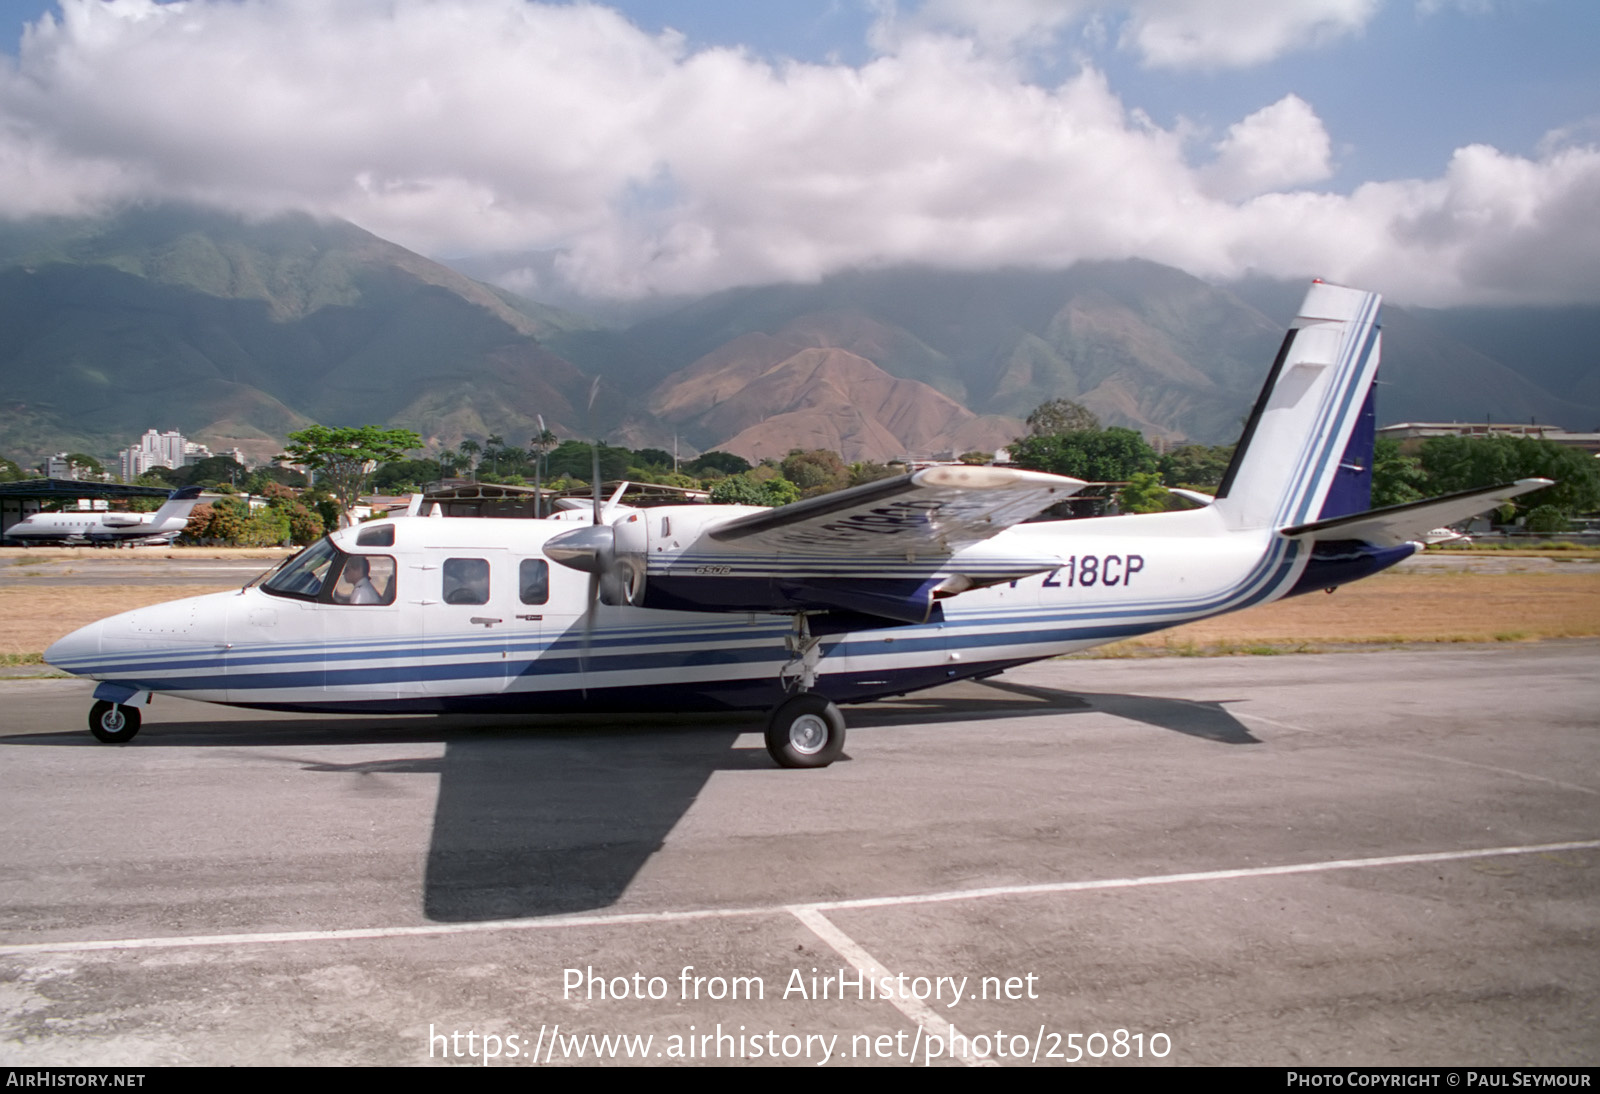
x,y
1360,858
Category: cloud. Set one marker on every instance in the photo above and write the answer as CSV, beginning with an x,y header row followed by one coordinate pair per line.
x,y
1278,146
463,126
1235,33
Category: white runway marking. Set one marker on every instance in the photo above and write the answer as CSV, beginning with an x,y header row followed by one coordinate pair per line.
x,y
625,918
927,1019
1500,770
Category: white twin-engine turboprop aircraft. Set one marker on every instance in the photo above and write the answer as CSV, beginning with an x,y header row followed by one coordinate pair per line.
x,y
875,591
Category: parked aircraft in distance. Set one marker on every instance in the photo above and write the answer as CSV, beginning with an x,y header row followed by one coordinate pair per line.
x,y
101,529
871,592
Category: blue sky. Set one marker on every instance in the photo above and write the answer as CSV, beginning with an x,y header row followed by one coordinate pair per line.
x,y
1447,147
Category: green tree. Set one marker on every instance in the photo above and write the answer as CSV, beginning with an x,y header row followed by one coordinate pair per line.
x,y
539,444
1547,520
1062,416
81,462
743,490
10,472
344,457
304,524
221,521
213,470
656,458
404,476
1110,455
1143,494
281,476
264,527
863,471
1465,463
575,459
163,478
1196,466
819,471
1396,477
725,463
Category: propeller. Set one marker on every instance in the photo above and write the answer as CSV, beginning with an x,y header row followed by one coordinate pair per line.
x,y
612,554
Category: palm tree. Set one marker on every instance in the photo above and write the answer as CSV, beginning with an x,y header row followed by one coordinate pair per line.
x,y
469,449
540,443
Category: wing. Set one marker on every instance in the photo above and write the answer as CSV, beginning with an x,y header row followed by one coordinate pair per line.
x,y
929,513
1412,522
886,550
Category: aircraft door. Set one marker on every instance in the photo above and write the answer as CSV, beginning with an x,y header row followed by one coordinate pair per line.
x,y
364,624
525,629
468,607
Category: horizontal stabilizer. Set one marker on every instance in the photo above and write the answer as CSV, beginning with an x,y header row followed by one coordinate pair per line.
x,y
1411,523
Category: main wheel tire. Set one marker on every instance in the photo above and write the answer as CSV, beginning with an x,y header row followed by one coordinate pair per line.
x,y
113,724
805,731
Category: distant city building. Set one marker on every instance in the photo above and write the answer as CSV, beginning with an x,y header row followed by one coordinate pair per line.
x,y
169,449
60,466
1417,431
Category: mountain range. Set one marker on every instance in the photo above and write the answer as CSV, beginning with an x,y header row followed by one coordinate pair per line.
x,y
236,331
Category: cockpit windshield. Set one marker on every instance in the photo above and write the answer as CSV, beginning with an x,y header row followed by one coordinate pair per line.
x,y
302,576
275,569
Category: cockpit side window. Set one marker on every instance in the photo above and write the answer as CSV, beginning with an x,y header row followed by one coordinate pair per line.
x,y
365,579
533,580
376,535
466,581
304,575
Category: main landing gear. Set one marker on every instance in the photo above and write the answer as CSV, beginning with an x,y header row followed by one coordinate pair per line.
x,y
112,723
806,729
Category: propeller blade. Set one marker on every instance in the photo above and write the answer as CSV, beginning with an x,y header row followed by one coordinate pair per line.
x,y
588,633
616,497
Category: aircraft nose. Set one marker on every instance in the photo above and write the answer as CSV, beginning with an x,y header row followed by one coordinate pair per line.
x,y
78,650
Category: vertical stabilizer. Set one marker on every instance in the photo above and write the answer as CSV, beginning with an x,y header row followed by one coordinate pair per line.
x,y
1307,424
179,504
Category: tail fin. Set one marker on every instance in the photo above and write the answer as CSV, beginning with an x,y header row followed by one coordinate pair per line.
x,y
178,504
1306,452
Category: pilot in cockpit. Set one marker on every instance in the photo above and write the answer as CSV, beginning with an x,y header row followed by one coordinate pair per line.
x,y
357,574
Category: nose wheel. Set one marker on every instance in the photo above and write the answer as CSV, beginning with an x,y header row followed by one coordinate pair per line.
x,y
112,723
806,730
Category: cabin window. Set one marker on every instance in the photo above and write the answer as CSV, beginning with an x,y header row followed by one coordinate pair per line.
x,y
365,579
466,581
375,535
533,578
302,577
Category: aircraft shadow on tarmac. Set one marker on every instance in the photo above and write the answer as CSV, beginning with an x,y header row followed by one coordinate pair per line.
x,y
561,815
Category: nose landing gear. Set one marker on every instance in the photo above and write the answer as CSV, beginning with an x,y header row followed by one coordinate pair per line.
x,y
112,723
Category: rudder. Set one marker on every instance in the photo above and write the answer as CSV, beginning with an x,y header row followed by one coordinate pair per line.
x,y
1306,451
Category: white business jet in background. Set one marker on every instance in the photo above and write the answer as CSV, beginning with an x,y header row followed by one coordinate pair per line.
x,y
100,529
